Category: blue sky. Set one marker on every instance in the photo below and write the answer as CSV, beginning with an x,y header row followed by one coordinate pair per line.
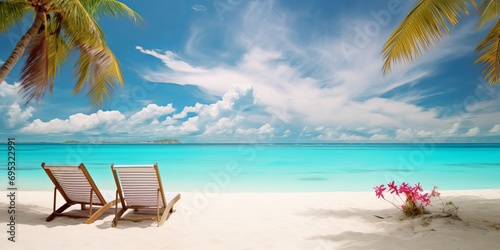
x,y
265,71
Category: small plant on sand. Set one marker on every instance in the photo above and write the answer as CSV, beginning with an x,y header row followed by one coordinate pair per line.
x,y
449,207
412,198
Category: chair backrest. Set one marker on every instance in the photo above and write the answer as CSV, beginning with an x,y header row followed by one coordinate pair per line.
x,y
139,185
74,183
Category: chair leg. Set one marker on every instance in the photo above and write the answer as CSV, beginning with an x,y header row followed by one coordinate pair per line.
x,y
91,194
58,211
101,211
113,223
118,215
169,208
55,197
158,205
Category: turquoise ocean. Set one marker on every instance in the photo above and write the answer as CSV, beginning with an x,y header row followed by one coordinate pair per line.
x,y
269,167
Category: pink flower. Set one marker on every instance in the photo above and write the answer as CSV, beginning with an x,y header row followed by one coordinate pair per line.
x,y
418,187
404,188
413,197
379,190
434,192
393,188
425,199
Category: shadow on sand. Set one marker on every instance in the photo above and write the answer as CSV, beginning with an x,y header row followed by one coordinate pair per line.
x,y
394,231
35,215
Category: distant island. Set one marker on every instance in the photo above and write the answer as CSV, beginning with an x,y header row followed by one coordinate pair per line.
x,y
162,141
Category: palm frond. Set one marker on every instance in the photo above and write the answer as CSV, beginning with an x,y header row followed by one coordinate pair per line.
x,y
79,26
489,54
58,50
425,25
82,68
12,12
98,69
34,77
100,8
106,73
70,26
488,10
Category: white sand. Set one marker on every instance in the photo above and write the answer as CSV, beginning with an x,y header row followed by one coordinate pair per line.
x,y
313,221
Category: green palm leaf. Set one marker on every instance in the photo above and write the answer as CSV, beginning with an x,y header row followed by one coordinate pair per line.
x,y
99,69
12,12
34,77
68,27
424,26
79,26
105,75
100,8
489,54
82,68
58,50
488,11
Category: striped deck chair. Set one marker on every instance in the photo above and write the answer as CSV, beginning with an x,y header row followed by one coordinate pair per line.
x,y
140,187
76,186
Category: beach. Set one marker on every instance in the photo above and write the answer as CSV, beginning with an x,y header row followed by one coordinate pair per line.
x,y
308,220
279,124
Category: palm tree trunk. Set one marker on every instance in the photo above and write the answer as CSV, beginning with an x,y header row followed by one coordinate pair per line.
x,y
21,45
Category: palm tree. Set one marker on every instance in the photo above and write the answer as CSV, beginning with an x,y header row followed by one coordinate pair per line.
x,y
427,23
62,28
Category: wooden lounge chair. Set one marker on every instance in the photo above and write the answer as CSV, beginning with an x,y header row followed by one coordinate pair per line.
x,y
76,186
140,187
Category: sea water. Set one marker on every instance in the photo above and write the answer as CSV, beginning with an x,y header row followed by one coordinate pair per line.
x,y
213,168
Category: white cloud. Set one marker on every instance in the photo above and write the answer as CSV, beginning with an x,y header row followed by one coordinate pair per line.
x,y
473,131
347,137
495,129
265,129
309,82
453,130
223,126
320,128
379,137
218,118
282,79
187,110
102,120
327,134
10,104
172,61
170,121
375,131
8,93
404,134
199,8
222,119
17,115
410,134
279,87
238,98
233,101
152,111
187,127
423,133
